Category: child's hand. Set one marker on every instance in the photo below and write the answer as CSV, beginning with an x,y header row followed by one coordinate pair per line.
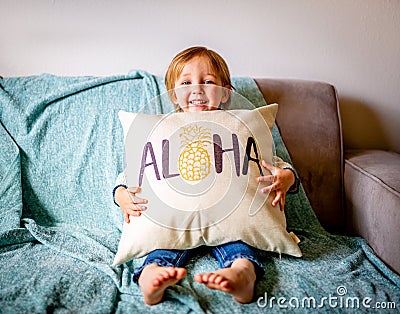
x,y
280,180
129,202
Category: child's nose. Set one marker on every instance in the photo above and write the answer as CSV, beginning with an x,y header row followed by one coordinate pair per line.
x,y
197,89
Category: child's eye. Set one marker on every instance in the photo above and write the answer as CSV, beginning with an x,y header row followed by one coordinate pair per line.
x,y
185,83
209,82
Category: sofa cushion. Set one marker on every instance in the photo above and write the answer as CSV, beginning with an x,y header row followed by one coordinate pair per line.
x,y
372,187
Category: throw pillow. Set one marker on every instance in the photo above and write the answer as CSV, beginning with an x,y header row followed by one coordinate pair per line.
x,y
198,172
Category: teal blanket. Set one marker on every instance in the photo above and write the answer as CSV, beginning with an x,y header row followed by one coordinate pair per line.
x,y
61,148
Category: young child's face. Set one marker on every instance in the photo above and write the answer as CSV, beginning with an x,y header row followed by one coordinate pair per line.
x,y
198,88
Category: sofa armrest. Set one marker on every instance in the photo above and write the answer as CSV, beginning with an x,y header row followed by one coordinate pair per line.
x,y
309,121
372,189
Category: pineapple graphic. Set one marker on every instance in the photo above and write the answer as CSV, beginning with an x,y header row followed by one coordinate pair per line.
x,y
194,160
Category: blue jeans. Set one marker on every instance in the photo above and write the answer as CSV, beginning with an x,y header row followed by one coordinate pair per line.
x,y
225,255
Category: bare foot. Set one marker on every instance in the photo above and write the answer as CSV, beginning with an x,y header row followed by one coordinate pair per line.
x,y
237,280
155,279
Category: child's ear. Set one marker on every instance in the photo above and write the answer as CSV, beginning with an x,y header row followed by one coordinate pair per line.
x,y
172,97
226,93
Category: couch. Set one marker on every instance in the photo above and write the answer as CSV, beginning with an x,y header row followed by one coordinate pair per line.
x,y
62,149
358,189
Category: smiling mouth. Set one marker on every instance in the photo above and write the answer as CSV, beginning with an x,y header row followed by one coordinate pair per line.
x,y
198,102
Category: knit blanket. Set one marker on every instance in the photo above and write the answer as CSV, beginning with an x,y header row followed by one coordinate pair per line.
x,y
61,148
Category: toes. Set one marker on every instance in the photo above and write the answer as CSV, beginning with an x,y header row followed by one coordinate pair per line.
x,y
180,273
198,278
163,275
219,280
170,273
225,284
207,278
204,277
213,278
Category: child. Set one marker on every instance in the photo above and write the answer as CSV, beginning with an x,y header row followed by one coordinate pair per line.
x,y
194,80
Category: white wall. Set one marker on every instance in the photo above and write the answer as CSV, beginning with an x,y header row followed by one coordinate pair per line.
x,y
354,45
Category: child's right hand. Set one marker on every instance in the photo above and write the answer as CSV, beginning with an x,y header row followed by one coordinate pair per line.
x,y
129,203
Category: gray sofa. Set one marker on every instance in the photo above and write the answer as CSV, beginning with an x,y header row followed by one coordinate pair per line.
x,y
354,192
61,149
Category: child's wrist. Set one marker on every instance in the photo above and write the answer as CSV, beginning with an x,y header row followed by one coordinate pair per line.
x,y
295,186
118,188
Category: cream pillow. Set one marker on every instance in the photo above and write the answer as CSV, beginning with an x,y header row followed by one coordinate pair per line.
x,y
198,172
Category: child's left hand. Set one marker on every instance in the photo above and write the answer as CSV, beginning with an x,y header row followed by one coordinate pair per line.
x,y
280,180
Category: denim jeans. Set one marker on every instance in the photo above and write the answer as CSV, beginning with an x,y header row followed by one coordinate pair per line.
x,y
224,253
